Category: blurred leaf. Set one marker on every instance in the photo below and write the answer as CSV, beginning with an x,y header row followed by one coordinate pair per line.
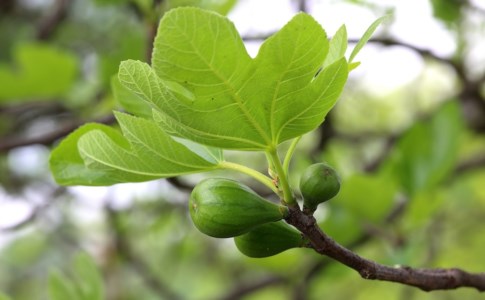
x,y
448,11
89,279
129,101
61,288
427,152
341,225
367,197
4,296
40,72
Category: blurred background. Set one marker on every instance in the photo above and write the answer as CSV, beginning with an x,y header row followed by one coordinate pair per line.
x,y
407,137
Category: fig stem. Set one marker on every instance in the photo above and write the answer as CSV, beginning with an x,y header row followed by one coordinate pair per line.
x,y
282,178
289,154
251,172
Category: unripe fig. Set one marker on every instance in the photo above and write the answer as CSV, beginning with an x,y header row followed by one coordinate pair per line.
x,y
226,208
269,239
318,183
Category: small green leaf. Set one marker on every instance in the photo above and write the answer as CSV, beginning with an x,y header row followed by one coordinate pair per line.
x,y
61,288
365,38
338,46
150,152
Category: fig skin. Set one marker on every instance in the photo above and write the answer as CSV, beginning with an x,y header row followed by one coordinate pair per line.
x,y
269,239
318,183
224,208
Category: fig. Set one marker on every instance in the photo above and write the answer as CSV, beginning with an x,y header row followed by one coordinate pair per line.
x,y
269,239
225,208
318,183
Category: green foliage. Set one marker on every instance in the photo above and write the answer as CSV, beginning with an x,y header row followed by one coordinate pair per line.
x,y
85,283
204,88
427,153
4,297
448,11
98,155
256,100
40,72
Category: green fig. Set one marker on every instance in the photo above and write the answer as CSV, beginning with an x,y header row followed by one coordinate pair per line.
x,y
269,239
318,183
226,208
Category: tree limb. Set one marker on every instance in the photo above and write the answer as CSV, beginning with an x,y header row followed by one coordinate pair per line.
x,y
49,138
425,279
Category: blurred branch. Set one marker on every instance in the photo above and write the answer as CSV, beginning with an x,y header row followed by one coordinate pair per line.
x,y
150,278
425,279
245,289
36,212
49,138
49,25
302,6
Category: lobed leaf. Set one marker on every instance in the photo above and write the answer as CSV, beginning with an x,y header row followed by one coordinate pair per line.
x,y
205,87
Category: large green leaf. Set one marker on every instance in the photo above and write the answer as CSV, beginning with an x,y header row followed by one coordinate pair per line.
x,y
206,88
41,71
145,152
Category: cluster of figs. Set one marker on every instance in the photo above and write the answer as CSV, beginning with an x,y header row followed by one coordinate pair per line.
x,y
225,208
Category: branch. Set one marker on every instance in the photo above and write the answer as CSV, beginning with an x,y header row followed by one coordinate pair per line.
x,y
49,25
425,279
49,138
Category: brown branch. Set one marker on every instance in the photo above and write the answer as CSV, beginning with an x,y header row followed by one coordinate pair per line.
x,y
49,138
425,279
49,25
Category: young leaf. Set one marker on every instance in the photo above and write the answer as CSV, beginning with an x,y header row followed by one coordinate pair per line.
x,y
338,46
365,38
206,88
145,152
